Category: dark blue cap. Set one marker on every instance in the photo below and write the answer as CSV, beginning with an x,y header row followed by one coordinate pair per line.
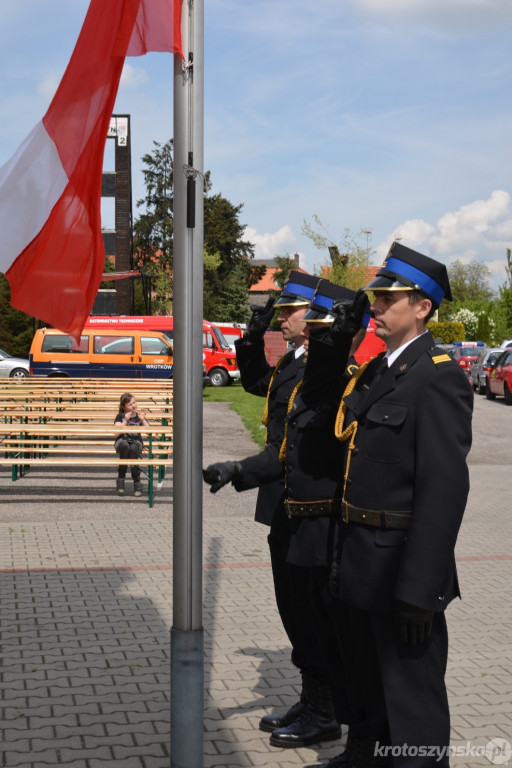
x,y
326,294
298,290
405,269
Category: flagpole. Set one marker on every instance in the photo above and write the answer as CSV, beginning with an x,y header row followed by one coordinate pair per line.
x,y
187,637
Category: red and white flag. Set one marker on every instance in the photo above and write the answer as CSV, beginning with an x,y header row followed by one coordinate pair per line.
x,y
51,249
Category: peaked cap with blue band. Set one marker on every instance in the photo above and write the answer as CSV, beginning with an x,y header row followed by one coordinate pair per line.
x,y
298,290
326,295
405,269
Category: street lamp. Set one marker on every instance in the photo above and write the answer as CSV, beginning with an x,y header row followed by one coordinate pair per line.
x,y
367,232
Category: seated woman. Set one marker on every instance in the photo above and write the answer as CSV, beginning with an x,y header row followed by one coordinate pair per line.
x,y
129,445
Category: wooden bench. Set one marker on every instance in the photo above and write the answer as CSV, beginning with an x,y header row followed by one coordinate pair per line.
x,y
25,446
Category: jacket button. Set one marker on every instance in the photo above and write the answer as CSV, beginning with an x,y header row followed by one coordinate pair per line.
x,y
349,481
291,447
355,451
385,418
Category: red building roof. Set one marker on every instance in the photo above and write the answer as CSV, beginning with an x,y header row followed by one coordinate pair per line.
x,y
267,282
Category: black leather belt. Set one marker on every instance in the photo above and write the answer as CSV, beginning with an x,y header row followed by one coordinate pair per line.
x,y
311,508
349,513
377,518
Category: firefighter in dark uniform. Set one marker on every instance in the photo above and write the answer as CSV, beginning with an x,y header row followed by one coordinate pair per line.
x,y
406,419
312,458
277,383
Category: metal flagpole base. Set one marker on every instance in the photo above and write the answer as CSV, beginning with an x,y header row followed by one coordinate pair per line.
x,y
187,698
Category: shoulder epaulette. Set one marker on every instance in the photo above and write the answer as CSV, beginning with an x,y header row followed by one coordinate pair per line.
x,y
438,356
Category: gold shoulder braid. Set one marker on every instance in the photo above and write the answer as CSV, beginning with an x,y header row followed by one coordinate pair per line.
x,y
264,418
342,410
351,430
282,452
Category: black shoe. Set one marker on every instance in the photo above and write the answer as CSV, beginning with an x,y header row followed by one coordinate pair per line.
x,y
269,723
346,759
310,728
120,486
340,761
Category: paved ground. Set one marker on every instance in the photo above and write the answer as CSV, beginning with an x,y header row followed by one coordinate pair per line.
x,y
86,591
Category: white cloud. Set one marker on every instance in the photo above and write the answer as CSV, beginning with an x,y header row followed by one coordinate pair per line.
x,y
133,77
462,228
481,230
47,87
270,245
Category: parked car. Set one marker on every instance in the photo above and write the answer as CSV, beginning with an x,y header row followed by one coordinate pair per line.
x,y
13,367
480,369
499,377
466,353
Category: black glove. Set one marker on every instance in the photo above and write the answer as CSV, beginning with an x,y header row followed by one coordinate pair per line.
x,y
348,318
414,624
219,475
260,320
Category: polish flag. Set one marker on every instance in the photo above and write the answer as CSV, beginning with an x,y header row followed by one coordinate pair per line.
x,y
51,248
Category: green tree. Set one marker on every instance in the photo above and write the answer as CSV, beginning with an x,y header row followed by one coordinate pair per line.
x,y
16,328
285,264
227,255
154,228
228,279
470,282
350,257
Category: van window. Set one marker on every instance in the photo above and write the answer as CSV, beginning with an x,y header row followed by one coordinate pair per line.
x,y
64,343
220,338
208,340
152,346
114,345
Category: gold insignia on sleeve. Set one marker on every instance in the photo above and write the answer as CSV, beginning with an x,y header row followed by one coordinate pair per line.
x,y
402,368
444,358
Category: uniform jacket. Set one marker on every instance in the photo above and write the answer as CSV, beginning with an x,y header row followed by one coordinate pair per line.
x,y
255,375
413,437
313,463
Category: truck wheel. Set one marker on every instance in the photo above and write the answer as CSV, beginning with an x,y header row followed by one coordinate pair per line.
x,y
218,377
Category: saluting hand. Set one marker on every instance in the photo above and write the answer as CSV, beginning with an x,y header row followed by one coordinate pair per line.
x,y
260,320
348,318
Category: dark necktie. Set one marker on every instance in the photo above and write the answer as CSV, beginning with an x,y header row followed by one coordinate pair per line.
x,y
380,371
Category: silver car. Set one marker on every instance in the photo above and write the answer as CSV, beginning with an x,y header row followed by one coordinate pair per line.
x,y
481,367
13,367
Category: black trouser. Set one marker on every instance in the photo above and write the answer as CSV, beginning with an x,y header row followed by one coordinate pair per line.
x,y
311,628
331,623
128,449
398,691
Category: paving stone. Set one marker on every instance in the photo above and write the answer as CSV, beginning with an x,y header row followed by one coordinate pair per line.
x,y
86,652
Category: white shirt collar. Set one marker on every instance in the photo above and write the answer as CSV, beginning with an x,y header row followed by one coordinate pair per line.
x,y
392,356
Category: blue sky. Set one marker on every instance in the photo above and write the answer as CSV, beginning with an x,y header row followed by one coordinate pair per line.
x,y
392,116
